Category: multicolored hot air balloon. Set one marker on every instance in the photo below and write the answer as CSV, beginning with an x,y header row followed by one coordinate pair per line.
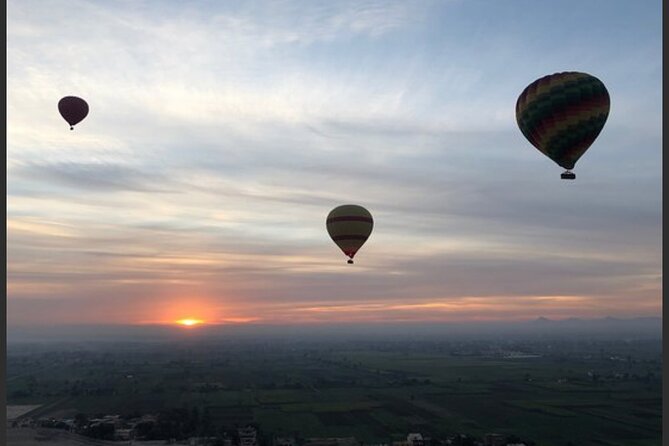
x,y
349,225
562,114
72,109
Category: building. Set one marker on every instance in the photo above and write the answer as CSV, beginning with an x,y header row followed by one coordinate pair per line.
x,y
202,441
247,436
284,441
494,440
333,441
123,434
415,439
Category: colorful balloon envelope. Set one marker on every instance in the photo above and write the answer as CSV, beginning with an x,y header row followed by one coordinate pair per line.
x,y
73,110
562,114
349,226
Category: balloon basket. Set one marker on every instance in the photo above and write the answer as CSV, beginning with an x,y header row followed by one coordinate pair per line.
x,y
350,262
567,175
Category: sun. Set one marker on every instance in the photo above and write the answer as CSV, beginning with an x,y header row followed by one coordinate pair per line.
x,y
189,322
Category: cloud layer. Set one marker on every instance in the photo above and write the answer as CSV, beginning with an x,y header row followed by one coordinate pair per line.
x,y
221,135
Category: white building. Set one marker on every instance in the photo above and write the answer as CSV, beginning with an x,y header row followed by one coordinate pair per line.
x,y
247,436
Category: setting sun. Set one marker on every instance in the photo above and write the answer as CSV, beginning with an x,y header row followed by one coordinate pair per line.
x,y
189,322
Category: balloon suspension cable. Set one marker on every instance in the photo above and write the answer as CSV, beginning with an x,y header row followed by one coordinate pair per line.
x,y
568,175
350,261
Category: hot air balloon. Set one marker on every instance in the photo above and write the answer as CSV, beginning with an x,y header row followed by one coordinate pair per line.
x,y
349,226
562,114
72,109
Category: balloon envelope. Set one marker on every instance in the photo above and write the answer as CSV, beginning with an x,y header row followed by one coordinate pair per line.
x,y
349,226
72,109
562,114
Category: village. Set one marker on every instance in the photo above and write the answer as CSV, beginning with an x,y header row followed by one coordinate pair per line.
x,y
153,430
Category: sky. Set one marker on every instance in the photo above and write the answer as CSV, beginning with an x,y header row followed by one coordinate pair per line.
x,y
222,133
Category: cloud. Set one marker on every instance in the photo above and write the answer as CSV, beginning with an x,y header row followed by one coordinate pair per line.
x,y
96,176
220,136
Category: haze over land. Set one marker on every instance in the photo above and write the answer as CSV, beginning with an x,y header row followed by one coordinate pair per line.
x,y
605,328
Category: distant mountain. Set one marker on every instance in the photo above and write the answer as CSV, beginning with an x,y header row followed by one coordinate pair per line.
x,y
612,325
601,319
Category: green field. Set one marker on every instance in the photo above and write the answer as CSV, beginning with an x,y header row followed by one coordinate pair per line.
x,y
364,391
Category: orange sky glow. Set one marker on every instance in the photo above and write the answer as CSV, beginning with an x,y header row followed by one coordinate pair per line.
x,y
193,312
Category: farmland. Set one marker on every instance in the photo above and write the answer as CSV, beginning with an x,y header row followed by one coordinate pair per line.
x,y
555,392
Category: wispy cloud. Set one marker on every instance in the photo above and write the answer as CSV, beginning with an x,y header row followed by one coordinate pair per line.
x,y
221,134
96,176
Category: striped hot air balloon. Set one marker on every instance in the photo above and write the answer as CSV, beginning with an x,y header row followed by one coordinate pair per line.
x,y
562,114
349,226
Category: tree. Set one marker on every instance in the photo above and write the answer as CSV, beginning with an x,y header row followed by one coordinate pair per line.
x,y
80,420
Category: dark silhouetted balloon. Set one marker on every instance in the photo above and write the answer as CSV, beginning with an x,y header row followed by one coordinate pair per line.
x,y
73,110
349,226
562,114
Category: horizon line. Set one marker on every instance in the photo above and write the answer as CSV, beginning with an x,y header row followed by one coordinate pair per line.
x,y
205,323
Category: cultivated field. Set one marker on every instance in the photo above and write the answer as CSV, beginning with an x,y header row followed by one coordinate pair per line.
x,y
589,394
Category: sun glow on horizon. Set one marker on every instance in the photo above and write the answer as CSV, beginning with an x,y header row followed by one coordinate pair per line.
x,y
189,322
